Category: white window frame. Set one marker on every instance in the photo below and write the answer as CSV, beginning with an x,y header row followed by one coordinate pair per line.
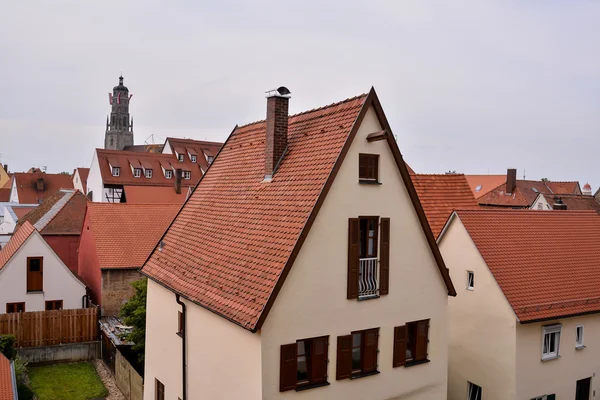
x,y
470,280
180,157
210,159
579,344
137,172
470,387
187,175
168,174
193,158
551,330
116,171
148,173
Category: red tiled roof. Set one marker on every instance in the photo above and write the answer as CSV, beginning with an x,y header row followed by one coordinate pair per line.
x,y
9,183
155,195
20,212
125,234
4,194
83,175
230,247
525,193
60,214
440,195
544,262
145,148
6,381
575,201
195,147
15,243
487,183
155,160
27,186
564,187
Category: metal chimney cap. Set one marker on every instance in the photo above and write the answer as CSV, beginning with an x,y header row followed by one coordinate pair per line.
x,y
281,91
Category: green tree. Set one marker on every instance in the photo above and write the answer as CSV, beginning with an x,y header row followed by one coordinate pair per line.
x,y
7,346
134,314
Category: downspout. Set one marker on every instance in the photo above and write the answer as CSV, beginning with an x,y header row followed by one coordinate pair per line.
x,y
183,352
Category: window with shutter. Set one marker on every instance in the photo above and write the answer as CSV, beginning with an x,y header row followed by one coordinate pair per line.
x,y
416,342
357,354
399,346
384,257
368,168
304,364
353,257
15,307
35,271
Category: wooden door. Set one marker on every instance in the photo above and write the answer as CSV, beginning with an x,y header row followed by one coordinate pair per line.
x,y
583,389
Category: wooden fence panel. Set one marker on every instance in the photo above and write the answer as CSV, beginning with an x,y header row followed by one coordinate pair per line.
x,y
45,328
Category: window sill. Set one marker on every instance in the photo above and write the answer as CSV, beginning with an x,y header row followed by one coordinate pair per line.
x,y
580,347
35,292
363,374
470,288
307,386
368,182
413,363
550,358
364,298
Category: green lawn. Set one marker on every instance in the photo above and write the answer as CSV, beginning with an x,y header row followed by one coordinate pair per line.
x,y
77,381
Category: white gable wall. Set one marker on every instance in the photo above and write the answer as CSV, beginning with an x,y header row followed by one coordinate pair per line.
x,y
59,282
14,195
313,303
94,182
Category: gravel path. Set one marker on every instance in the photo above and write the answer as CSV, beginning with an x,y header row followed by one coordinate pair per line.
x,y
109,381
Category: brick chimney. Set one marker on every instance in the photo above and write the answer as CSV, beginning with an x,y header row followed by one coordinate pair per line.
x,y
511,180
558,204
40,184
277,129
178,180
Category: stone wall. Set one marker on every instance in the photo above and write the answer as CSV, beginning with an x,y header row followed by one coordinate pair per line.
x,y
117,289
61,353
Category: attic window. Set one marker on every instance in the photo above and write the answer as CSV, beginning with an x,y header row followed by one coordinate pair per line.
x,y
137,172
168,174
470,280
210,159
478,188
193,158
180,157
187,175
368,168
116,171
148,173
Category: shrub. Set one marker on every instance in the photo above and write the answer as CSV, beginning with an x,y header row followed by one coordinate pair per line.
x,y
7,346
24,392
20,368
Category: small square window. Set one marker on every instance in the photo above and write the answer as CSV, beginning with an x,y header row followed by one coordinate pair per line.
x,y
137,172
193,158
579,337
148,173
187,175
180,157
168,174
550,341
473,391
368,168
470,280
116,171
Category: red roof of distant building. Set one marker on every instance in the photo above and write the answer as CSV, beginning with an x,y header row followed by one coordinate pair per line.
x,y
60,214
575,201
83,175
21,212
440,195
155,195
545,262
525,193
587,186
4,194
199,148
482,184
6,379
27,186
125,234
144,148
9,183
229,246
15,243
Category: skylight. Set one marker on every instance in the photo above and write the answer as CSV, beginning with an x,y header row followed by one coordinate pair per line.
x,y
535,190
478,188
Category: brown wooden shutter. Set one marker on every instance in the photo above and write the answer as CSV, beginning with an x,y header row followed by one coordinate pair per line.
x,y
288,367
422,340
353,255
399,346
371,338
384,257
319,360
344,357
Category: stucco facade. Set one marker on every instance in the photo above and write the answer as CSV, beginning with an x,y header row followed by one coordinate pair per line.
x,y
94,181
489,347
227,362
59,283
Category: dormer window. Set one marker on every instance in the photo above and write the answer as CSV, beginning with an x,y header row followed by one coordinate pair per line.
x,y
180,157
193,158
210,159
148,173
368,168
187,175
116,171
168,174
137,172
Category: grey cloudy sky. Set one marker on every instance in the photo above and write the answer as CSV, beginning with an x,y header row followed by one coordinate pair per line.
x,y
468,85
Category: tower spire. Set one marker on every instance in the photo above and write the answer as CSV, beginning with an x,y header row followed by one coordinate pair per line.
x,y
119,132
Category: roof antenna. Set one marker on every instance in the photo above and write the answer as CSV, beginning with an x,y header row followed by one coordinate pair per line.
x,y
524,170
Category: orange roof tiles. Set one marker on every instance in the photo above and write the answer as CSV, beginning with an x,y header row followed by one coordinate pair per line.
x,y
545,262
27,186
83,175
195,147
564,187
440,195
60,214
575,201
6,379
229,246
484,183
125,234
155,195
15,243
4,195
525,193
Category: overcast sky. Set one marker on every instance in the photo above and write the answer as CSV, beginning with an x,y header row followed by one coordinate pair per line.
x,y
473,86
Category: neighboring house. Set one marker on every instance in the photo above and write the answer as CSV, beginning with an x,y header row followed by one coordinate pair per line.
x,y
525,324
34,278
4,176
116,241
145,148
59,219
33,188
524,194
9,217
8,379
482,184
197,151
4,195
302,261
117,176
440,195
567,202
80,176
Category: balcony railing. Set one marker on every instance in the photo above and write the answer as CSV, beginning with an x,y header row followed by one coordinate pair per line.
x,y
368,278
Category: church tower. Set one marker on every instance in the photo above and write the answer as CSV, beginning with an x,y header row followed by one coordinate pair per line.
x,y
119,126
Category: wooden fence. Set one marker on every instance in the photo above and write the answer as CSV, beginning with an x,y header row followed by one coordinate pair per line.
x,y
44,328
128,380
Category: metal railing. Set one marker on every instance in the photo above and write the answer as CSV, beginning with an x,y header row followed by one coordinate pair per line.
x,y
368,278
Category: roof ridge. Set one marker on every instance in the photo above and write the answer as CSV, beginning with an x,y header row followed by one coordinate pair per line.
x,y
349,99
62,205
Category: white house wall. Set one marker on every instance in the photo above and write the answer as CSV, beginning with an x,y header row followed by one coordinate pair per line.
x,y
14,195
58,282
94,182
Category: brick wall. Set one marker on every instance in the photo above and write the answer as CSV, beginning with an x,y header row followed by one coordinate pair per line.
x,y
116,289
277,131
